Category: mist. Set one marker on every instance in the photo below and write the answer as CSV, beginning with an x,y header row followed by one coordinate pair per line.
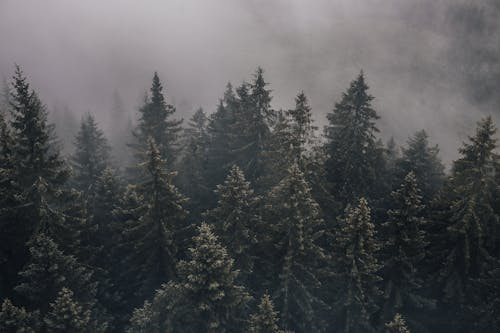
x,y
424,60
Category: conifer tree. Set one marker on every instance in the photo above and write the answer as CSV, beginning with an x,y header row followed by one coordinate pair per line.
x,y
156,122
302,127
221,134
471,233
266,319
48,271
209,278
192,180
36,154
354,161
67,315
424,162
204,298
156,237
405,245
356,267
91,155
253,118
236,219
397,325
17,320
296,259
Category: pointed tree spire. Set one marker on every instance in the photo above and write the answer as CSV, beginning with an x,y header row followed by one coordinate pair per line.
x,y
266,319
67,315
356,269
91,156
17,320
236,219
354,159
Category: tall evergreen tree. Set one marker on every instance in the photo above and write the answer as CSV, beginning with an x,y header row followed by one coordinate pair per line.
x,y
67,315
36,155
192,179
221,134
266,319
91,155
48,271
205,298
253,118
17,320
302,127
356,272
424,162
472,231
156,122
354,159
156,238
295,259
405,245
237,220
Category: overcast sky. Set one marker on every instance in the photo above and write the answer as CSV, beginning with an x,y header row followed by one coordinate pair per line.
x,y
78,52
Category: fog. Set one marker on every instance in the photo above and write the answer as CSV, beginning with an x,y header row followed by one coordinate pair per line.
x,y
424,60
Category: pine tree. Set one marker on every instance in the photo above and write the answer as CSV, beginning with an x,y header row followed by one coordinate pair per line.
x,y
472,231
397,325
204,298
155,122
266,319
67,315
253,118
302,128
354,161
295,258
156,238
48,271
36,154
236,219
405,245
423,160
221,134
356,267
17,320
209,282
91,155
192,180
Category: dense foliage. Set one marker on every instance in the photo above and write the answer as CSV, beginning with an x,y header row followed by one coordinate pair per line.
x,y
244,221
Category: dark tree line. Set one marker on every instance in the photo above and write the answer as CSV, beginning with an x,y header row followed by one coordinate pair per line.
x,y
245,220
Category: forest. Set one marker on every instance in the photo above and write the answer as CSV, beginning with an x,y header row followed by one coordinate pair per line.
x,y
248,219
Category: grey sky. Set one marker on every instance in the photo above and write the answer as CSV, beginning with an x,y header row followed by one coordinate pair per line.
x,y
78,52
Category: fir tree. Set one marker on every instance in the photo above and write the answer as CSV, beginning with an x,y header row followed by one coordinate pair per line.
x,y
192,179
91,155
295,256
48,271
356,267
36,154
471,234
155,239
156,122
405,245
397,325
266,319
220,135
302,127
17,320
253,118
424,162
67,315
236,219
354,159
205,298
